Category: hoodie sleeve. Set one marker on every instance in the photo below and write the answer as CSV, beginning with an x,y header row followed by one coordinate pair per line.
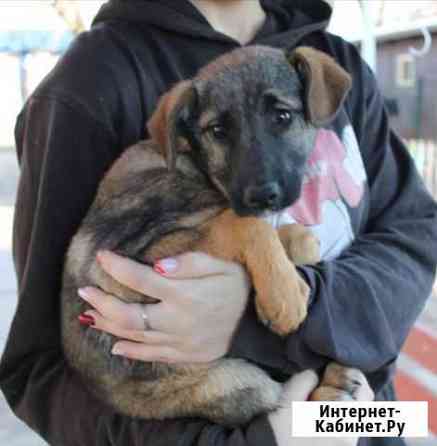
x,y
63,153
364,302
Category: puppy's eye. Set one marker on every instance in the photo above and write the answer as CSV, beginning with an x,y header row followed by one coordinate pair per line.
x,y
282,117
218,132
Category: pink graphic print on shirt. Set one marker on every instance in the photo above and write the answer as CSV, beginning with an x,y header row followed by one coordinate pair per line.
x,y
327,180
334,183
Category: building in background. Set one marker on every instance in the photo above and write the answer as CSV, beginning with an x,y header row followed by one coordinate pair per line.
x,y
405,62
406,41
409,78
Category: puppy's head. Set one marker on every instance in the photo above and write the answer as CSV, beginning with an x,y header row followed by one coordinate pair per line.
x,y
249,121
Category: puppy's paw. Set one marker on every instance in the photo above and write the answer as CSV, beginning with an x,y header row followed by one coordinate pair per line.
x,y
300,244
283,306
341,383
327,393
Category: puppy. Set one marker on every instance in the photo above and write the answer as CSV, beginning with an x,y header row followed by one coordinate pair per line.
x,y
226,148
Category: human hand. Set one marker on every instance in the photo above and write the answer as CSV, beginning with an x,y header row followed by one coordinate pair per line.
x,y
299,388
201,302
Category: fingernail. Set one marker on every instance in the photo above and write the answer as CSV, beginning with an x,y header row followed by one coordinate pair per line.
x,y
116,350
87,320
100,256
165,266
83,293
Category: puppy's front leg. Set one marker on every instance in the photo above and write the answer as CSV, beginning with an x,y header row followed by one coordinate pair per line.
x,y
281,294
301,245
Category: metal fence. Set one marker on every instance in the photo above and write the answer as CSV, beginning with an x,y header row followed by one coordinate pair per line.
x,y
424,153
413,113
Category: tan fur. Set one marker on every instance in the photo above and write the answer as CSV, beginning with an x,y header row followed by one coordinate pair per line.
x,y
78,252
328,393
161,126
327,84
339,383
301,245
282,296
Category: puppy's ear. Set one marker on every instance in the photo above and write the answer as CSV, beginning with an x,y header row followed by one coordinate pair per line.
x,y
166,125
326,83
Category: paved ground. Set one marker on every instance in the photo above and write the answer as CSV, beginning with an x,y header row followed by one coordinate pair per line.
x,y
416,380
12,431
8,177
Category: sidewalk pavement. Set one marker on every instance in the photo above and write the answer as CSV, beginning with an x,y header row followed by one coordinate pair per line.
x,y
8,178
12,431
417,365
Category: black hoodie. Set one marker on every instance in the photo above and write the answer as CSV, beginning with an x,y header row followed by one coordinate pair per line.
x,y
363,198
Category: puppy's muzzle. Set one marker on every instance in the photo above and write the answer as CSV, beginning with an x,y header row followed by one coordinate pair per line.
x,y
264,196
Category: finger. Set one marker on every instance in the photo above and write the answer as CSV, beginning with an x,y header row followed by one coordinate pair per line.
x,y
148,337
147,353
194,265
364,392
110,307
161,317
299,387
135,275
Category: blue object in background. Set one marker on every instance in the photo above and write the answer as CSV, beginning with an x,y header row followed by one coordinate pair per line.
x,y
14,82
22,42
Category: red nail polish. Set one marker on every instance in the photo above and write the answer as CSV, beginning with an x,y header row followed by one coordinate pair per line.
x,y
86,320
159,269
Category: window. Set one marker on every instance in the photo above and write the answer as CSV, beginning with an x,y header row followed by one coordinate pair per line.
x,y
406,71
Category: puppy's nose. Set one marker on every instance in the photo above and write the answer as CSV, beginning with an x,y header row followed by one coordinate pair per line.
x,y
262,196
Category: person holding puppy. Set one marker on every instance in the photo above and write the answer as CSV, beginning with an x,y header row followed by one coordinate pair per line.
x,y
366,203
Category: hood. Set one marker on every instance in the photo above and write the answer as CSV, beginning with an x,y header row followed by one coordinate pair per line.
x,y
293,19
